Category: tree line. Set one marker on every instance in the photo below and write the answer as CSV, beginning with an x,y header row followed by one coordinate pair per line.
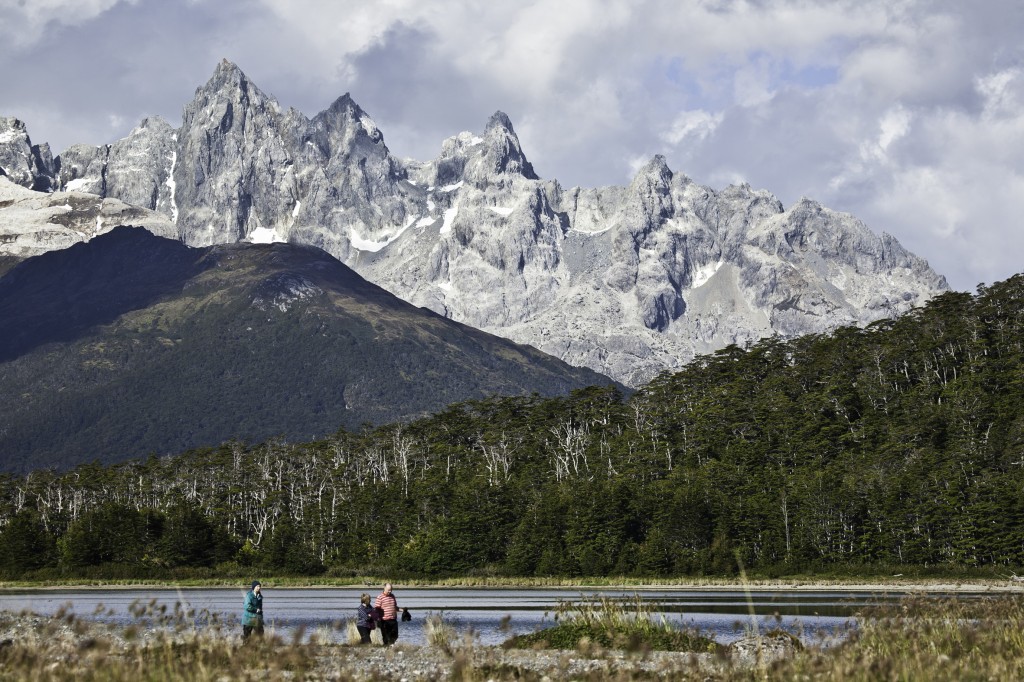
x,y
896,445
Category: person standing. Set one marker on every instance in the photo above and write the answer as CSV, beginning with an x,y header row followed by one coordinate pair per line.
x,y
252,613
365,619
388,606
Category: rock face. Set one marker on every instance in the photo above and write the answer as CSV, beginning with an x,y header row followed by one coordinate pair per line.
x,y
625,280
248,171
22,162
32,223
136,170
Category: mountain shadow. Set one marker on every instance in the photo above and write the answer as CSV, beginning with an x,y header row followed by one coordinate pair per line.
x,y
133,344
60,296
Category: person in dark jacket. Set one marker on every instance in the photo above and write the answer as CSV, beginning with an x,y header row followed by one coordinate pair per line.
x,y
366,619
252,612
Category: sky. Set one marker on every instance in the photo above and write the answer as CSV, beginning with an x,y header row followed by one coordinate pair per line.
x,y
909,114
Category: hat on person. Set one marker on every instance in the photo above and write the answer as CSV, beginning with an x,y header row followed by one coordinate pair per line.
x,y
254,584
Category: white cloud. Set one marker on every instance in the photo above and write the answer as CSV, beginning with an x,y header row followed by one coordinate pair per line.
x,y
696,125
1002,92
894,124
960,203
24,21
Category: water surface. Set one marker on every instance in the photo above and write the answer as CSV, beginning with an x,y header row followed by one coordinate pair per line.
x,y
489,616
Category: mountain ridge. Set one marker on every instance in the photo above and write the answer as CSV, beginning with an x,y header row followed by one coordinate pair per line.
x,y
627,280
131,343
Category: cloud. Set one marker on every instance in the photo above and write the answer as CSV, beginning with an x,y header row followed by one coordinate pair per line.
x,y
696,124
960,200
22,22
905,113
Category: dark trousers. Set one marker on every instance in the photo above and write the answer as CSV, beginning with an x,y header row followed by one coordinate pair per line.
x,y
389,631
249,629
364,634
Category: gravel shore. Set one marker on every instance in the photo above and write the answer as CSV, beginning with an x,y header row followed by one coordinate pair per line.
x,y
81,647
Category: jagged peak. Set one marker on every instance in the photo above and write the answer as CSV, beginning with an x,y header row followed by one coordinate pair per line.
x,y
151,122
225,73
505,152
344,110
655,169
657,164
228,69
344,103
806,203
500,120
227,77
12,122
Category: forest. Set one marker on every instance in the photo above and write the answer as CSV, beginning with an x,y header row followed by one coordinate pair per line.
x,y
899,446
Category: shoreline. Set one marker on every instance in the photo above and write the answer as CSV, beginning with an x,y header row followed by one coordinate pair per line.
x,y
910,586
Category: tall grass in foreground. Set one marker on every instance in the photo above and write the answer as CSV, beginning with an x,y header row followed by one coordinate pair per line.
x,y
923,638
613,623
66,649
918,638
439,632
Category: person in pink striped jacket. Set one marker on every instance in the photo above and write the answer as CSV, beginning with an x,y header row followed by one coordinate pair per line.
x,y
388,612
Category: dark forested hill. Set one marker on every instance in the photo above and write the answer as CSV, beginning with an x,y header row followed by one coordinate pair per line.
x,y
879,449
131,344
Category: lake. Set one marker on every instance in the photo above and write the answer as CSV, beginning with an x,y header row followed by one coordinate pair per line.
x,y
489,615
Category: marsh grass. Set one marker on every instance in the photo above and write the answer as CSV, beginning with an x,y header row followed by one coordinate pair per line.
x,y
352,635
159,645
628,624
923,638
439,632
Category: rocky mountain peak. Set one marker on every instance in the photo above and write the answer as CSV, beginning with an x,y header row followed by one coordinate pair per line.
x,y
504,153
151,124
654,173
500,119
345,115
227,100
22,162
226,75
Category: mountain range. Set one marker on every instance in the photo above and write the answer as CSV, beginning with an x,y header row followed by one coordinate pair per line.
x,y
131,344
626,280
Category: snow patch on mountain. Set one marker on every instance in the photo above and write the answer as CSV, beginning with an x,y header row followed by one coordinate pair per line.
x,y
705,273
265,235
449,219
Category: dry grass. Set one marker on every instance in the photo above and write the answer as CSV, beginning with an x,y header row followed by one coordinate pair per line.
x,y
67,648
919,638
923,638
439,633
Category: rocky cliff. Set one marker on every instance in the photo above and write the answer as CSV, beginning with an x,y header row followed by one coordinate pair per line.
x,y
626,280
33,223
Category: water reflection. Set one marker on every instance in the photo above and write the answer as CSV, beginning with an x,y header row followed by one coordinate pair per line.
x,y
489,616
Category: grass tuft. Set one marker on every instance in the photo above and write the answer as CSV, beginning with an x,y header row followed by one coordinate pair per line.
x,y
612,623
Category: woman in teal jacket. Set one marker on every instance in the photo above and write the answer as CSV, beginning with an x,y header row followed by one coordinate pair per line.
x,y
252,614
